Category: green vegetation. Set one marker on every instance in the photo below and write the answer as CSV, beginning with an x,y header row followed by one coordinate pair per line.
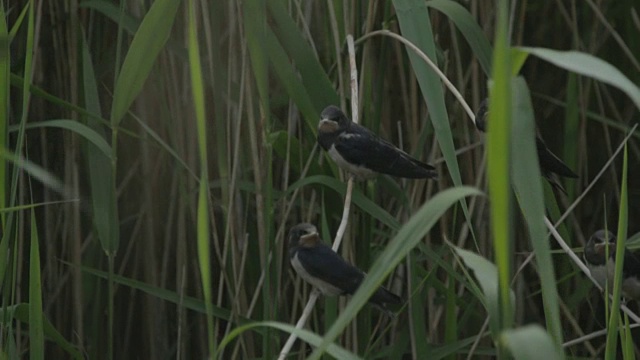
x,y
157,153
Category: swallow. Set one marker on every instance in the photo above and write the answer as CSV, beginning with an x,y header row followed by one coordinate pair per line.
x,y
550,164
595,256
362,153
323,268
602,269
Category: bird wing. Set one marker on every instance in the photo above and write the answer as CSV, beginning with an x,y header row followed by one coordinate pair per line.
x,y
551,163
323,263
360,146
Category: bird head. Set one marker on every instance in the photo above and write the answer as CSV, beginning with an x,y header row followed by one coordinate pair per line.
x,y
305,235
596,248
332,120
482,115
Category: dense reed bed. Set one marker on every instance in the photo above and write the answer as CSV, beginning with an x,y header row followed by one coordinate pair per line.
x,y
157,153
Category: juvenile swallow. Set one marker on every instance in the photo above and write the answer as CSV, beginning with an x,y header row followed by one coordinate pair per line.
x,y
323,268
361,152
602,269
550,164
595,256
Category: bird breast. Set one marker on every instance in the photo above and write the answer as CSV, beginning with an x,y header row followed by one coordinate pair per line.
x,y
325,287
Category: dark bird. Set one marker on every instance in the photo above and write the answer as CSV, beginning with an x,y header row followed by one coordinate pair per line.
x,y
361,152
602,269
595,255
323,268
550,164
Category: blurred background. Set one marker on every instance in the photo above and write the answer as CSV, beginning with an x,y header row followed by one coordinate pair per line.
x,y
113,131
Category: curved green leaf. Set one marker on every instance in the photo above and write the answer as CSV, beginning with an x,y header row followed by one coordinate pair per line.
x,y
486,274
530,343
79,128
588,65
151,36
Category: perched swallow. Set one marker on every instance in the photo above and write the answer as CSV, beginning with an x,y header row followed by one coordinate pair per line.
x,y
602,269
359,151
323,268
595,255
550,164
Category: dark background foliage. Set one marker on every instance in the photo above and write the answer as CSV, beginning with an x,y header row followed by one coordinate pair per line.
x,y
259,145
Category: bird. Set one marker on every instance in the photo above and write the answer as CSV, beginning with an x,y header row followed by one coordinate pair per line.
x,y
550,164
362,153
320,266
595,255
602,269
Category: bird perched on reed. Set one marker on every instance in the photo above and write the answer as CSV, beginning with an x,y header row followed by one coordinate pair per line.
x,y
362,153
323,268
550,164
602,268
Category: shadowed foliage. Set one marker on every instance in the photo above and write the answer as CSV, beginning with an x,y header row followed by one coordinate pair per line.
x,y
158,152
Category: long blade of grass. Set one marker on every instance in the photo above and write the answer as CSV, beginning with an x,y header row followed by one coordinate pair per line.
x,y
623,220
197,90
498,155
406,239
36,327
98,160
102,181
527,183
